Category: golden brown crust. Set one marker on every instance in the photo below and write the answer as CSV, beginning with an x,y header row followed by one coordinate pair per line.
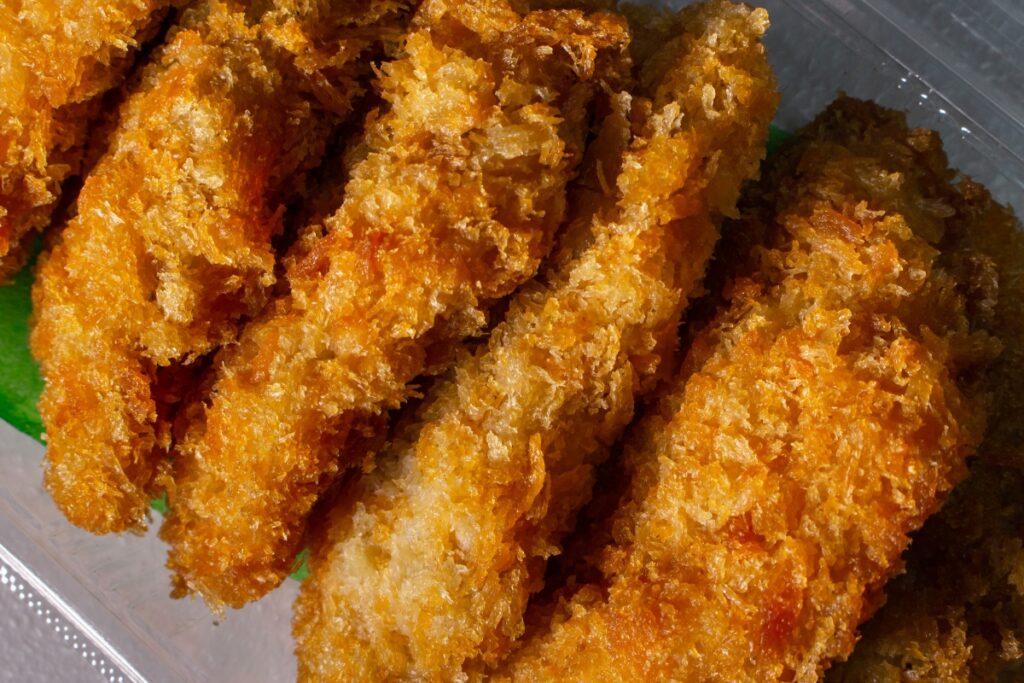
x,y
958,612
58,59
453,203
816,421
170,249
423,569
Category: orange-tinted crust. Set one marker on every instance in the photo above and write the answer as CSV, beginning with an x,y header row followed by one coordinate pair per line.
x,y
423,569
58,58
171,246
817,420
958,612
452,202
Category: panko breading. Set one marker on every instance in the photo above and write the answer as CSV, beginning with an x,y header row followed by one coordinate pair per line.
x,y
57,58
958,613
171,246
821,417
423,569
456,198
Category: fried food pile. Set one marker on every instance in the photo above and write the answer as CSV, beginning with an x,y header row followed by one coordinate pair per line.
x,y
171,248
424,567
498,310
818,418
454,202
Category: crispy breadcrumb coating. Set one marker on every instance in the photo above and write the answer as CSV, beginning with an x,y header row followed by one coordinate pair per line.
x,y
958,612
171,246
424,567
658,23
454,203
56,61
819,419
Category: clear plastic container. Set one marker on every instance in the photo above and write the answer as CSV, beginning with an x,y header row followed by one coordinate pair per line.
x,y
953,65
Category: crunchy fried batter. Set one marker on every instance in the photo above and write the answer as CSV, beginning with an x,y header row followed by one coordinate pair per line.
x,y
454,203
424,567
171,246
958,612
816,421
56,61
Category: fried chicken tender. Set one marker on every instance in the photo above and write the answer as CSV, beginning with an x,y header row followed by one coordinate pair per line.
x,y
455,201
423,568
821,417
958,612
171,246
57,59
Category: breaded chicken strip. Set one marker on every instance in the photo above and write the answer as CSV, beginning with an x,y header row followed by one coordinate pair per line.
x,y
958,613
56,61
456,198
424,568
816,421
171,246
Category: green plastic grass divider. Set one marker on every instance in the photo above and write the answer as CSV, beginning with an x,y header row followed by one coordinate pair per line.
x,y
20,383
